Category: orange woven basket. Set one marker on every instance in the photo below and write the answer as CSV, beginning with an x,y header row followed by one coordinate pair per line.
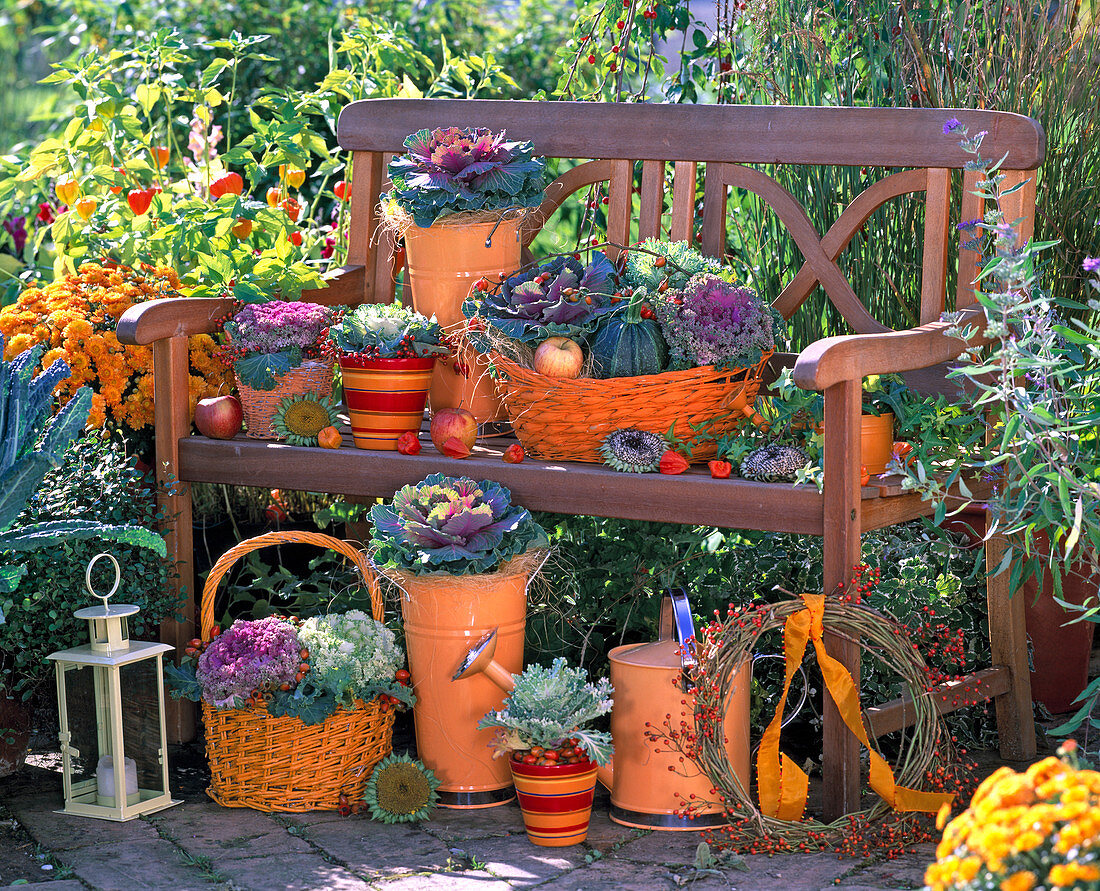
x,y
567,419
259,406
281,764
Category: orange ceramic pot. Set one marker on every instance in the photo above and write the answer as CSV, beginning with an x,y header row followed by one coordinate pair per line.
x,y
556,801
876,441
444,616
445,261
385,397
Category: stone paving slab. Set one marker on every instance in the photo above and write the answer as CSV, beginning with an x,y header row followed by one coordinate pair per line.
x,y
287,872
207,829
64,832
375,850
139,864
473,880
62,885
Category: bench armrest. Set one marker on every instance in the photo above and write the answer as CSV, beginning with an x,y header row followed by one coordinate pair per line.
x,y
181,317
854,356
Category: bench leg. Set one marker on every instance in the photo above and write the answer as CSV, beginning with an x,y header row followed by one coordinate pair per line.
x,y
840,752
1008,644
173,422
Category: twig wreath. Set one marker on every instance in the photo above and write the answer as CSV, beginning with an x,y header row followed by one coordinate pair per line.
x,y
723,648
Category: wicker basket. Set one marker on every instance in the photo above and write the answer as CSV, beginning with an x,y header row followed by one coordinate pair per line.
x,y
259,406
281,764
567,419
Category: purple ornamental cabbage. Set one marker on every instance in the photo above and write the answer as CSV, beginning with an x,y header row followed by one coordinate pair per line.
x,y
713,322
446,171
251,655
452,525
550,299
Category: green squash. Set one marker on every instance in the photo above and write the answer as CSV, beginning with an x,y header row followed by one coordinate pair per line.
x,y
627,345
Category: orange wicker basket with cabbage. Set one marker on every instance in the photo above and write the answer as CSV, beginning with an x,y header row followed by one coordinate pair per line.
x,y
669,345
272,748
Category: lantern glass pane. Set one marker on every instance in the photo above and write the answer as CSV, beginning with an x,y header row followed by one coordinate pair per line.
x,y
80,710
141,730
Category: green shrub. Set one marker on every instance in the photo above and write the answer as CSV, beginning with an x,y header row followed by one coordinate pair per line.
x,y
96,481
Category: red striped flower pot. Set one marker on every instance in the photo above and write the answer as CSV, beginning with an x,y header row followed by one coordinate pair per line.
x,y
556,801
385,397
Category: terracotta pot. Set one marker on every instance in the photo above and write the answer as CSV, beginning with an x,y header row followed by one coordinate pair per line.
x,y
15,733
443,617
1060,652
385,398
876,441
556,801
445,261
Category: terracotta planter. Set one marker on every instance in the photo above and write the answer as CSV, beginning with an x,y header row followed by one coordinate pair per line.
x,y
444,616
876,441
445,260
259,406
385,398
1060,652
15,733
556,801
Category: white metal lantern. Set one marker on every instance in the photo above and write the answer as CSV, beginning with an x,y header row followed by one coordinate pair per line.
x,y
110,696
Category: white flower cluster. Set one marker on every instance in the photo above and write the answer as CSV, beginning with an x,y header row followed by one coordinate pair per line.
x,y
351,649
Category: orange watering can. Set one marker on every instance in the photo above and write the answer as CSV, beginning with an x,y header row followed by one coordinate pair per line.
x,y
649,681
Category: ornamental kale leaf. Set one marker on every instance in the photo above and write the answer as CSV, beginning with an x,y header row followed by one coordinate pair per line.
x,y
452,170
457,526
559,298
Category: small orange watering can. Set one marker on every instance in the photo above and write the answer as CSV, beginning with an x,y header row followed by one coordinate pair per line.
x,y
649,784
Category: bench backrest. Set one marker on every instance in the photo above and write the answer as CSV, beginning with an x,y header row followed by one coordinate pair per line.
x,y
724,138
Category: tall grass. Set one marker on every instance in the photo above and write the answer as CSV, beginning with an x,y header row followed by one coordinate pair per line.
x,y
973,53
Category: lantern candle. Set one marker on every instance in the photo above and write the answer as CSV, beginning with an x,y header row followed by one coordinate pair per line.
x,y
105,780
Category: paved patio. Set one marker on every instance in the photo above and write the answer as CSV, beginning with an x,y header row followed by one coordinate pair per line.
x,y
199,845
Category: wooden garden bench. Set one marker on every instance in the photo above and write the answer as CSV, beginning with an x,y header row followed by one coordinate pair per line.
x,y
614,140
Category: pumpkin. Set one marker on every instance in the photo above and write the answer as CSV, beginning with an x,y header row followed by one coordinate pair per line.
x,y
629,345
329,438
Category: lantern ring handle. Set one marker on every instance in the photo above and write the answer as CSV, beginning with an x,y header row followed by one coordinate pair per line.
x,y
88,577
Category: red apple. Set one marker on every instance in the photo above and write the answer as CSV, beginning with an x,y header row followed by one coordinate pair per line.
x,y
219,417
457,423
559,357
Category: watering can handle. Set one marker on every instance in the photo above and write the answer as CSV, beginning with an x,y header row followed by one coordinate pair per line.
x,y
676,620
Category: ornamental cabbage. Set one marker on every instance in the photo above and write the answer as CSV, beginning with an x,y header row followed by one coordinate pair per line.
x,y
681,262
251,656
388,331
712,322
447,171
266,340
454,526
351,655
559,298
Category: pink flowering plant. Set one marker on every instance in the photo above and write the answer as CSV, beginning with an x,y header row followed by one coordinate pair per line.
x,y
265,340
714,322
252,657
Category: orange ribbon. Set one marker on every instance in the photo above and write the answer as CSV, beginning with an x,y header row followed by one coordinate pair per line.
x,y
782,783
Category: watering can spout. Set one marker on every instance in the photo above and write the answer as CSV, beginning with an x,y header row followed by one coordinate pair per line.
x,y
479,660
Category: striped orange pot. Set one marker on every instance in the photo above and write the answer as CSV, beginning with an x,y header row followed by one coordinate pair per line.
x,y
385,397
556,801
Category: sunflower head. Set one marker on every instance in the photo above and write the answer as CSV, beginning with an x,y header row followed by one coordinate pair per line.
x,y
299,419
632,450
401,790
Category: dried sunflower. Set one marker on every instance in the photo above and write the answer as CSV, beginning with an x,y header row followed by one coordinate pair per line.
x,y
401,790
299,419
632,450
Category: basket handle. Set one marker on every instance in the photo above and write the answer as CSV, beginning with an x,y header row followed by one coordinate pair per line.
x,y
217,573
